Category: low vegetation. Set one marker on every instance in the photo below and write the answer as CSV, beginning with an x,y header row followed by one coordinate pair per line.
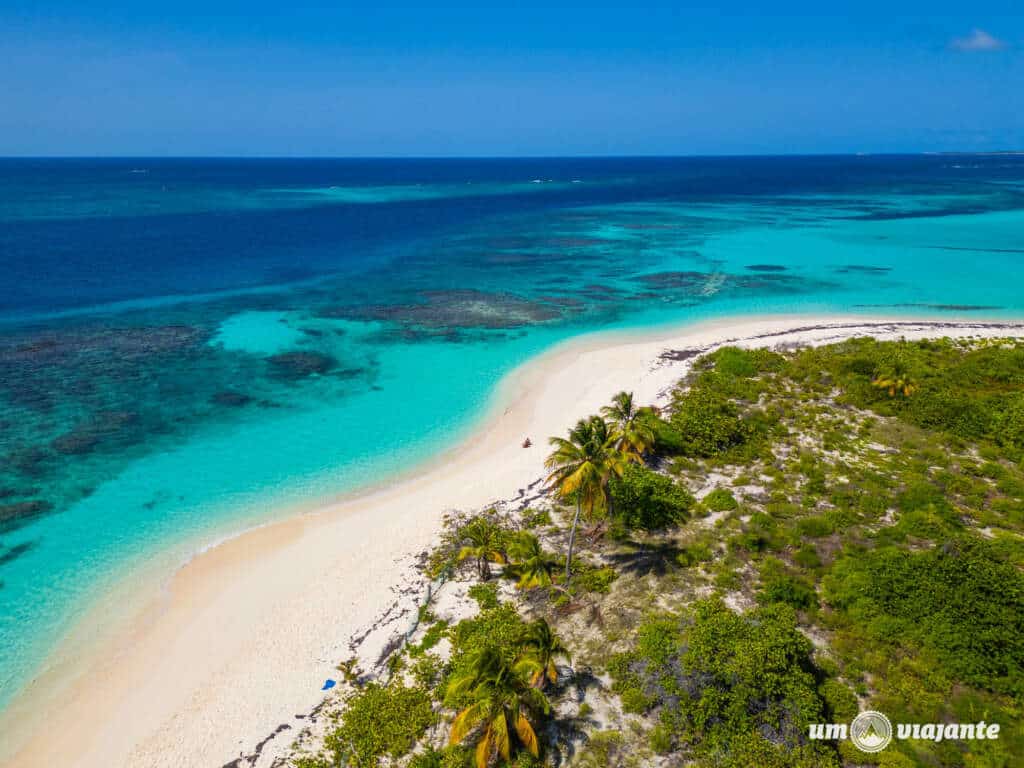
x,y
798,536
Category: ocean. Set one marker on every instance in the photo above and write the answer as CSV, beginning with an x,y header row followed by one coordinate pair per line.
x,y
190,346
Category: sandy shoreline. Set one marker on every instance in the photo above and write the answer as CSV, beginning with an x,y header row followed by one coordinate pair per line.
x,y
239,640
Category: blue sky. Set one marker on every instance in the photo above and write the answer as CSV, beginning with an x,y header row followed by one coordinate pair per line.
x,y
528,78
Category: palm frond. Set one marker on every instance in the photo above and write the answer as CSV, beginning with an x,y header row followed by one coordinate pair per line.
x,y
499,731
527,735
463,723
483,750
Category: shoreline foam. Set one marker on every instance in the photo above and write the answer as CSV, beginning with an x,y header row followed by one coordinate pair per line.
x,y
238,639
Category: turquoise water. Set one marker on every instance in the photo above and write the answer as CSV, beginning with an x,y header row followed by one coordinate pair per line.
x,y
186,350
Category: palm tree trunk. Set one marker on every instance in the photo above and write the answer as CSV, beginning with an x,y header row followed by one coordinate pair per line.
x,y
572,541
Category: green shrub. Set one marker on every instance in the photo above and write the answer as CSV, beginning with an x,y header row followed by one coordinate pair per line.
x,y
814,527
660,739
921,494
601,750
633,700
789,589
708,423
890,758
959,602
1011,485
807,557
753,749
937,407
426,670
782,510
969,393
1008,424
646,500
429,759
500,627
667,439
745,363
840,702
449,757
778,585
760,533
380,721
692,554
721,681
589,578
721,500
312,762
534,518
431,637
485,594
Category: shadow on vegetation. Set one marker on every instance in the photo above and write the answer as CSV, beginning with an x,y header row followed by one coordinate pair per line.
x,y
655,558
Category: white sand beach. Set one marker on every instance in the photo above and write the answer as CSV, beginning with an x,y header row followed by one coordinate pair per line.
x,y
238,641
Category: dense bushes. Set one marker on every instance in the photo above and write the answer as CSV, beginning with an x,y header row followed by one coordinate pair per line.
x,y
380,721
720,500
889,531
1008,424
706,418
500,627
972,393
668,441
643,499
735,363
738,690
959,602
778,585
708,423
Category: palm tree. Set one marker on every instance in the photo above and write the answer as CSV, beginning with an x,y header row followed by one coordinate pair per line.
x,y
541,646
580,467
485,545
896,379
499,696
635,435
529,561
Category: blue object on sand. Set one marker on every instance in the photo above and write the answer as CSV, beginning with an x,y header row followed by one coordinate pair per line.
x,y
328,684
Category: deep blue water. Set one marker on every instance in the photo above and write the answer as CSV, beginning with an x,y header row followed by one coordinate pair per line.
x,y
187,344
84,232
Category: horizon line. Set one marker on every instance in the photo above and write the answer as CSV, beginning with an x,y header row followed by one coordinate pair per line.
x,y
738,155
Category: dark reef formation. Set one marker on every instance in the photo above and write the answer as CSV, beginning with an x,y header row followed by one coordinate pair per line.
x,y
707,284
19,513
300,364
862,269
230,398
454,309
110,427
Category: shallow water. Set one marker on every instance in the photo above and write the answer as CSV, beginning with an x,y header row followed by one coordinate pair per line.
x,y
186,346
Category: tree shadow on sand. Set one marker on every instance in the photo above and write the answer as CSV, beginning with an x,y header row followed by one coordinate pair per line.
x,y
644,559
567,734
